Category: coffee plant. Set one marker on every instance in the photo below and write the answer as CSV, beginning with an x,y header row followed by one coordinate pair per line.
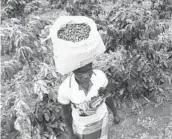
x,y
19,8
59,4
84,8
162,9
13,8
31,7
145,69
29,81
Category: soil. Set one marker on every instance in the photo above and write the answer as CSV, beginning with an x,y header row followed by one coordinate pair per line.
x,y
149,123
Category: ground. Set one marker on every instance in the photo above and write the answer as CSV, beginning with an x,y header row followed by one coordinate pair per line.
x,y
148,123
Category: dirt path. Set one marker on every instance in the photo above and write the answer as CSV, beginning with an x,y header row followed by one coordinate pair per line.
x,y
149,123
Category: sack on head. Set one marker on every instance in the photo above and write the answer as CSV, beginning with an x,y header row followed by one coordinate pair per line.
x,y
71,53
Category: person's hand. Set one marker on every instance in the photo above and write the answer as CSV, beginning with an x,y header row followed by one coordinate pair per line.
x,y
116,119
102,91
73,136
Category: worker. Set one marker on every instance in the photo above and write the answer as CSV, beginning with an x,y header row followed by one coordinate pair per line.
x,y
83,118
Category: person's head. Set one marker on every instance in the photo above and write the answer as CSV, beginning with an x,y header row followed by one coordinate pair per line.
x,y
84,73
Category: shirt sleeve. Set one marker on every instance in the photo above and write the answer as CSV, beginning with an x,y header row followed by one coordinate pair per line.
x,y
63,95
103,81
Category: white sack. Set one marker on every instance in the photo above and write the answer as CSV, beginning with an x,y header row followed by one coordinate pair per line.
x,y
70,55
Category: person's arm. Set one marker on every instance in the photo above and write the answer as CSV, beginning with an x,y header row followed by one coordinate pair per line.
x,y
107,87
110,104
64,100
67,115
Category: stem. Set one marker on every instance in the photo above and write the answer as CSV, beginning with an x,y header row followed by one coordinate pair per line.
x,y
145,98
15,135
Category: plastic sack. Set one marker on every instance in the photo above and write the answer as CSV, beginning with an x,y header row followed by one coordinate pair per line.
x,y
70,55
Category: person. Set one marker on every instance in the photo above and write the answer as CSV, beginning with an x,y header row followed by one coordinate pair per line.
x,y
84,115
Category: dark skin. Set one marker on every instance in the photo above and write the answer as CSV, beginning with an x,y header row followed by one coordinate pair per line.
x,y
82,77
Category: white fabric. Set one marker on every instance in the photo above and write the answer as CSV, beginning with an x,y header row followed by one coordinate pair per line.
x,y
88,129
70,55
67,94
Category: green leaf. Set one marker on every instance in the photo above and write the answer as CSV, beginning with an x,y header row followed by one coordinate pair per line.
x,y
123,16
43,86
128,35
50,129
33,35
54,74
25,90
37,30
145,86
121,92
139,68
122,33
129,21
115,16
43,72
130,89
46,134
129,27
151,89
54,125
12,2
46,116
9,71
165,64
160,90
62,128
39,117
130,82
40,24
37,43
53,117
134,73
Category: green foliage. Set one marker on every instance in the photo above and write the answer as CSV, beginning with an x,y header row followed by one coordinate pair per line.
x,y
48,115
58,4
32,93
146,67
31,7
162,9
24,44
23,8
27,79
13,8
19,8
84,8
